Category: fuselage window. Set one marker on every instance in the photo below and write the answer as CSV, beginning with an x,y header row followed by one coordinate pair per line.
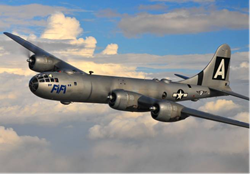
x,y
45,76
164,95
75,83
41,80
56,80
52,80
47,80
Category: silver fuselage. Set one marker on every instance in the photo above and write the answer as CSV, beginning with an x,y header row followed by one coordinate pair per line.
x,y
95,88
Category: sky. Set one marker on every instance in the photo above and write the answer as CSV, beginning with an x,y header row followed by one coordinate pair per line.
x,y
140,39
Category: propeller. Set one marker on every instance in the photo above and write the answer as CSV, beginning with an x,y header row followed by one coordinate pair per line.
x,y
26,53
30,58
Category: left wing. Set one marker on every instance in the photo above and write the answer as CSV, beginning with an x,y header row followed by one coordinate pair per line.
x,y
43,61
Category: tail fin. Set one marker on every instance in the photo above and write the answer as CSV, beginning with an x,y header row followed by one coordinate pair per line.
x,y
216,73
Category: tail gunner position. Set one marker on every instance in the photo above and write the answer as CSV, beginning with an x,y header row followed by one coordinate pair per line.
x,y
63,82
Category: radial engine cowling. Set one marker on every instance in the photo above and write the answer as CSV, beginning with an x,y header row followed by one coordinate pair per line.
x,y
167,111
40,63
124,100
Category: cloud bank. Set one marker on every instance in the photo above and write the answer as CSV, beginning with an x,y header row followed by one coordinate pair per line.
x,y
183,21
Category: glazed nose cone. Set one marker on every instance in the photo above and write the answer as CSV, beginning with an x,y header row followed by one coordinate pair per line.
x,y
33,84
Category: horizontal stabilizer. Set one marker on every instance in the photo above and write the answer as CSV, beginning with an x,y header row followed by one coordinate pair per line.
x,y
212,117
231,93
182,76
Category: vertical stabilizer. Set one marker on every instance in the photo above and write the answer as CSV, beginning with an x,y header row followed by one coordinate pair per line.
x,y
216,73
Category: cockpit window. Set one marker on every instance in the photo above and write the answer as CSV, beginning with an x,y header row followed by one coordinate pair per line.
x,y
47,78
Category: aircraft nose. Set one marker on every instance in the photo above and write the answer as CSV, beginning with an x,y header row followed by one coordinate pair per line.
x,y
33,84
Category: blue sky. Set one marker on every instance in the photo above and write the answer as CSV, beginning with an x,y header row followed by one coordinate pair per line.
x,y
106,30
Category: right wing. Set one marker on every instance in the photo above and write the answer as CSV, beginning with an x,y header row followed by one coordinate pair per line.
x,y
59,65
168,111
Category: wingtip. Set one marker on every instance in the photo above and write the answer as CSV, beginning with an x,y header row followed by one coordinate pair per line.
x,y
6,33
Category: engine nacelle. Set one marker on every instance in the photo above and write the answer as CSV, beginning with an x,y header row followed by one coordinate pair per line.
x,y
41,63
124,100
167,111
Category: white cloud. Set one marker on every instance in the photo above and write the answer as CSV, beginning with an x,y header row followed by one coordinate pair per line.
x,y
61,27
9,139
243,116
109,13
18,71
183,21
28,154
111,49
126,125
24,15
89,45
221,105
244,65
113,69
156,7
3,52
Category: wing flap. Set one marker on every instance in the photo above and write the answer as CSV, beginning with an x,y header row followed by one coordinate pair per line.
x,y
212,117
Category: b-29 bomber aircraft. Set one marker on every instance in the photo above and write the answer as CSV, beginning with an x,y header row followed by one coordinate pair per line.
x,y
63,82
